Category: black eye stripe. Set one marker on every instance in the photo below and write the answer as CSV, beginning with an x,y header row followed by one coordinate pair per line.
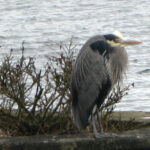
x,y
111,37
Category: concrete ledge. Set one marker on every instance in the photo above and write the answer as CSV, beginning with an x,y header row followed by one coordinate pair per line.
x,y
131,140
143,117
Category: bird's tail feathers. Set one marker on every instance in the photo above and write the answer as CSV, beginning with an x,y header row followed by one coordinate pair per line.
x,y
80,117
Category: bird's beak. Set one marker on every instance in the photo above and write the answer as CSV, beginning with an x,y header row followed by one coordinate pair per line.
x,y
128,43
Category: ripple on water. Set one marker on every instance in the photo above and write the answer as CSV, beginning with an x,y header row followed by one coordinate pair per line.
x,y
39,22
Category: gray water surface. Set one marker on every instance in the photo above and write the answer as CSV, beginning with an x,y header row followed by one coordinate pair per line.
x,y
38,22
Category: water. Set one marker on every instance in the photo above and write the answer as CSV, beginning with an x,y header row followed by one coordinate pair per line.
x,y
38,22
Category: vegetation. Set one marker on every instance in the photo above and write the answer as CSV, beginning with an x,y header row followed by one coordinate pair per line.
x,y
34,101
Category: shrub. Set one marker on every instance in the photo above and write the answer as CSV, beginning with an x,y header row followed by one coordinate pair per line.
x,y
37,101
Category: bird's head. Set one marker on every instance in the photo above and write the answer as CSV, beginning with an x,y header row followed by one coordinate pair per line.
x,y
116,39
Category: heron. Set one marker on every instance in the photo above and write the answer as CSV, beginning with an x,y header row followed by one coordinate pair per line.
x,y
99,66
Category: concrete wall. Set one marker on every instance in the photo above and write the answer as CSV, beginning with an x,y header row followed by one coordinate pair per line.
x,y
132,140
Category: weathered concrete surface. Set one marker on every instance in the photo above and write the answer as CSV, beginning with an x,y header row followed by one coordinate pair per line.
x,y
131,140
128,115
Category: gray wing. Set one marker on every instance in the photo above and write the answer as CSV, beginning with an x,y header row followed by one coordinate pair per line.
x,y
90,80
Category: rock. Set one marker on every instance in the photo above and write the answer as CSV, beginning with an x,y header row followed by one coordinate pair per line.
x,y
144,71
